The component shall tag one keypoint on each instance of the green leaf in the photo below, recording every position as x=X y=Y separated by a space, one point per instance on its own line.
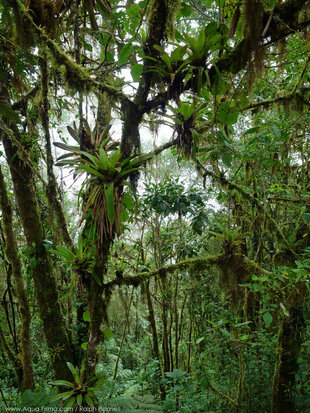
x=61 y=396
x=219 y=86
x=64 y=383
x=7 y=112
x=127 y=172
x=108 y=333
x=114 y=158
x=166 y=59
x=75 y=149
x=79 y=400
x=136 y=72
x=70 y=402
x=185 y=11
x=92 y=158
x=65 y=156
x=267 y=317
x=268 y=5
x=74 y=134
x=73 y=371
x=64 y=252
x=251 y=130
x=109 y=197
x=226 y=158
x=124 y=54
x=103 y=9
x=178 y=53
x=285 y=310
x=128 y=201
x=211 y=29
x=201 y=38
x=92 y=171
x=226 y=114
x=186 y=109
x=306 y=218
x=86 y=316
x=138 y=160
x=133 y=11
x=89 y=400
x=84 y=346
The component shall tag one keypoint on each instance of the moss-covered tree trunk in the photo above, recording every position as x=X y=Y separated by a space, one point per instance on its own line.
x=152 y=321
x=164 y=317
x=24 y=310
x=288 y=349
x=44 y=280
x=8 y=354
x=96 y=308
x=55 y=208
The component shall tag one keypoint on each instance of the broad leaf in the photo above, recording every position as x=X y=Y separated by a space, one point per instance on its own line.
x=109 y=197
x=7 y=112
x=267 y=317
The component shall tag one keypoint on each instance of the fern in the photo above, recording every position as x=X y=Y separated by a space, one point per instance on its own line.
x=133 y=404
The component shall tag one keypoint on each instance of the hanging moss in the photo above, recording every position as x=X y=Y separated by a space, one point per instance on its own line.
x=253 y=39
x=161 y=20
x=232 y=274
x=236 y=269
x=24 y=32
x=43 y=14
x=185 y=136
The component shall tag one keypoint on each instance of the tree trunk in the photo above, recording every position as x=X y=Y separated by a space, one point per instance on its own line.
x=6 y=349
x=44 y=281
x=55 y=208
x=152 y=321
x=164 y=317
x=288 y=349
x=12 y=255
x=96 y=308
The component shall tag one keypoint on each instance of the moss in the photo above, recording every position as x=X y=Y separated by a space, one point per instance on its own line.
x=161 y=21
x=44 y=280
x=43 y=13
x=76 y=76
x=235 y=270
x=172 y=10
x=16 y=266
x=253 y=39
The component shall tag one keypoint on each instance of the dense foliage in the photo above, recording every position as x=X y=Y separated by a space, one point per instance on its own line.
x=154 y=198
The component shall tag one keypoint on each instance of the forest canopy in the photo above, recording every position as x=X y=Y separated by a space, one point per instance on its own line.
x=154 y=205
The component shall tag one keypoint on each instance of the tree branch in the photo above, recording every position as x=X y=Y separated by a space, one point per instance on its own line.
x=224 y=182
x=193 y=265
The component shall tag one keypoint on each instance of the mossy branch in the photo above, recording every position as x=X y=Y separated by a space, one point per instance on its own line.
x=230 y=185
x=192 y=265
x=287 y=96
x=195 y=264
x=77 y=75
x=23 y=101
x=268 y=102
x=23 y=154
x=284 y=22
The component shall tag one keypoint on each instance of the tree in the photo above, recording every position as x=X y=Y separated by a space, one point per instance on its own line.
x=208 y=80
